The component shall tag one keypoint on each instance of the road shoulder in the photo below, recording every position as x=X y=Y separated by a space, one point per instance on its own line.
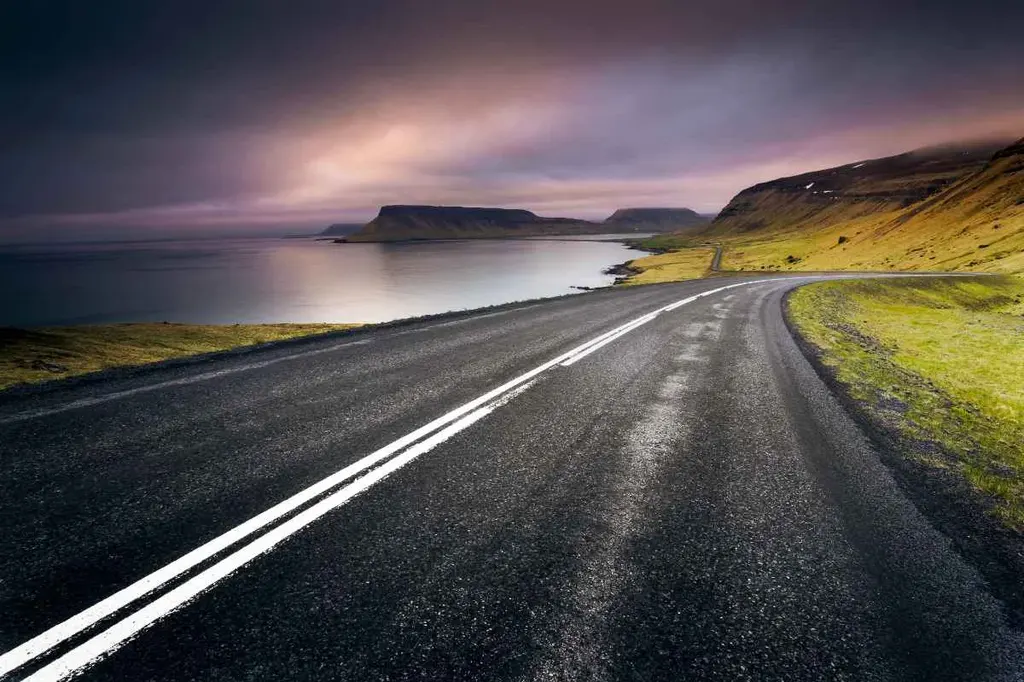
x=946 y=499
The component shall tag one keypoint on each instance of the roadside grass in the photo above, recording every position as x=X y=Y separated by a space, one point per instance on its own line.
x=669 y=241
x=675 y=266
x=42 y=354
x=939 y=360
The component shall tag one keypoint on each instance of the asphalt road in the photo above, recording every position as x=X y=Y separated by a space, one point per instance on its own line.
x=716 y=260
x=683 y=499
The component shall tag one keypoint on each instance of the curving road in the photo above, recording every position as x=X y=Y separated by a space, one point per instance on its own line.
x=644 y=483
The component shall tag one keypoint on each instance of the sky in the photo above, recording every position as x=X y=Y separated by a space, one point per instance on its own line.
x=141 y=118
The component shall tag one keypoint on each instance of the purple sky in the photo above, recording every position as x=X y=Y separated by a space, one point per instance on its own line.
x=139 y=119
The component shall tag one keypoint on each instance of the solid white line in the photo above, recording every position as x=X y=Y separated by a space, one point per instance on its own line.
x=120 y=632
x=61 y=632
x=622 y=332
x=640 y=321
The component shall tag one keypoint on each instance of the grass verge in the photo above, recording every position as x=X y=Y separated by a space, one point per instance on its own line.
x=35 y=355
x=674 y=266
x=940 y=361
x=682 y=259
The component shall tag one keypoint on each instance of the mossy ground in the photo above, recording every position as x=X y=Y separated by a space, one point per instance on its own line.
x=940 y=360
x=683 y=264
x=34 y=355
x=684 y=258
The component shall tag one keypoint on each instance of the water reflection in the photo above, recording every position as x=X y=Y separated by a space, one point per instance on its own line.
x=275 y=280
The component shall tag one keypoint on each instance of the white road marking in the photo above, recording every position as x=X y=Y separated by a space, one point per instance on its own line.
x=119 y=633
x=61 y=632
x=640 y=321
x=574 y=359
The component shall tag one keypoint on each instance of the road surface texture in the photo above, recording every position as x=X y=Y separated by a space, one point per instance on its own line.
x=510 y=495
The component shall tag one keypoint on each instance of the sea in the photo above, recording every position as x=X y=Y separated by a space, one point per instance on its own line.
x=266 y=280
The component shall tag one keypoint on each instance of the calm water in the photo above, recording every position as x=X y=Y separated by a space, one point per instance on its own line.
x=285 y=280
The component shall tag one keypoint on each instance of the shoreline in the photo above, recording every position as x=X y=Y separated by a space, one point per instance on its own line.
x=624 y=238
x=20 y=390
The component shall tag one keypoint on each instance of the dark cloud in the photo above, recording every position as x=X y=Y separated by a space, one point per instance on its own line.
x=108 y=106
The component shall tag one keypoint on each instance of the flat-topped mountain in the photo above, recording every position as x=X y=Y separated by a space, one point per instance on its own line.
x=411 y=223
x=656 y=219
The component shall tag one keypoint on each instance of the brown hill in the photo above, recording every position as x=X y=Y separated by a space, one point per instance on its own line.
x=948 y=208
x=851 y=191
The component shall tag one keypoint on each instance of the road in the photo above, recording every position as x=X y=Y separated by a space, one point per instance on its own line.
x=716 y=260
x=575 y=489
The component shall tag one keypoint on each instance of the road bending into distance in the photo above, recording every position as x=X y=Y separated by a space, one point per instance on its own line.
x=630 y=483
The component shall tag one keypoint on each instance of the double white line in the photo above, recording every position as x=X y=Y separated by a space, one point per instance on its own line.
x=410 y=446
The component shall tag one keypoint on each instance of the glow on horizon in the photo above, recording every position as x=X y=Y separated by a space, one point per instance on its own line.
x=429 y=149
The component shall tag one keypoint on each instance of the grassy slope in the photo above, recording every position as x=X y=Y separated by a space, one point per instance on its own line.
x=946 y=209
x=34 y=355
x=975 y=223
x=942 y=361
x=675 y=266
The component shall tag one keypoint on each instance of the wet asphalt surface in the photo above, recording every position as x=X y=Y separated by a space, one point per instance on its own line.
x=687 y=502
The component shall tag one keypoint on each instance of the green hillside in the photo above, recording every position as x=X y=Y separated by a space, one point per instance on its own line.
x=951 y=208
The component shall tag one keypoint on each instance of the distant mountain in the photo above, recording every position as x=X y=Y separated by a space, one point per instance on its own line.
x=342 y=229
x=944 y=208
x=411 y=223
x=655 y=220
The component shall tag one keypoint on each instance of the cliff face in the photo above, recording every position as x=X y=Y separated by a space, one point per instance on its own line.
x=409 y=223
x=655 y=220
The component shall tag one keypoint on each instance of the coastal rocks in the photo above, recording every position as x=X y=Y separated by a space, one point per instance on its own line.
x=623 y=272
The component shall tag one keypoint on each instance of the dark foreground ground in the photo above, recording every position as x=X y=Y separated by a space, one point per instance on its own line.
x=688 y=501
